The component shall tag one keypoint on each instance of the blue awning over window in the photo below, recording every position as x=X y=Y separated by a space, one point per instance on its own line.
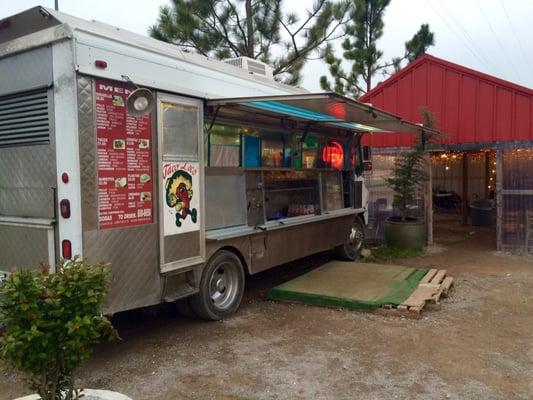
x=291 y=111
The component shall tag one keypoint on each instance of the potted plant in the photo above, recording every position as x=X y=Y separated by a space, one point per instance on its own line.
x=410 y=173
x=50 y=322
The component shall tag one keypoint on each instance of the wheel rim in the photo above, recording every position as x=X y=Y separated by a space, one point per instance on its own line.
x=223 y=285
x=355 y=241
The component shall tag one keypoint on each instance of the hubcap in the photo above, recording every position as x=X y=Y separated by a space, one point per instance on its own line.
x=356 y=240
x=223 y=285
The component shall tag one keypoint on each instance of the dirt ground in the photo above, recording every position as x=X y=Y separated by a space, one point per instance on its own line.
x=478 y=346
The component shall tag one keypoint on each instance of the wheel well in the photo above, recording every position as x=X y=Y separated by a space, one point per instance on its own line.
x=237 y=252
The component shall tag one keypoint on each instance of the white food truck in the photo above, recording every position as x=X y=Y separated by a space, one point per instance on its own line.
x=182 y=172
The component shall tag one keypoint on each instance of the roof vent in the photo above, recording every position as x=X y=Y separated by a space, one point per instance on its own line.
x=254 y=67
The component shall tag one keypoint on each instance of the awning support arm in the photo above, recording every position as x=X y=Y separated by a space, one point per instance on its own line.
x=306 y=131
x=215 y=115
x=209 y=135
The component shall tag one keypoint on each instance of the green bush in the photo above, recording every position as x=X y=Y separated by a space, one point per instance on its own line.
x=408 y=177
x=51 y=321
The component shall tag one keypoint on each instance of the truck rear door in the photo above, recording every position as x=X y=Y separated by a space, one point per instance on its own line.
x=27 y=160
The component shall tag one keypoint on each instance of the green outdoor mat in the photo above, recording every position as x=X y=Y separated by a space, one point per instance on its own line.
x=351 y=285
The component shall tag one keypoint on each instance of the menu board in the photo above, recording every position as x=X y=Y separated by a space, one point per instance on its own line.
x=124 y=147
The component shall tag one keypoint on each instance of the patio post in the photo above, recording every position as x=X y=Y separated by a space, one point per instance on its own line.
x=465 y=188
x=499 y=197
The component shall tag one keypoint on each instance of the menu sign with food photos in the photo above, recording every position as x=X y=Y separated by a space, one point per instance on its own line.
x=124 y=147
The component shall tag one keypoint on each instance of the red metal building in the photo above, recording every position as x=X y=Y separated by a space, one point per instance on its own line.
x=470 y=107
x=487 y=151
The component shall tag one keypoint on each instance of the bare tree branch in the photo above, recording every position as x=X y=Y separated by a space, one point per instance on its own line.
x=311 y=16
x=245 y=38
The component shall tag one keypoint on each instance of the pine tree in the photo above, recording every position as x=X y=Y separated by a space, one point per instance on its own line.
x=419 y=43
x=258 y=29
x=360 y=48
x=414 y=48
x=411 y=171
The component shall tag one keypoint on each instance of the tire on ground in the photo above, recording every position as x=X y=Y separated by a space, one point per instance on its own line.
x=351 y=249
x=221 y=287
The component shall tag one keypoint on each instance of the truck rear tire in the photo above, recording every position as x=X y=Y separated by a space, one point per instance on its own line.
x=221 y=287
x=351 y=249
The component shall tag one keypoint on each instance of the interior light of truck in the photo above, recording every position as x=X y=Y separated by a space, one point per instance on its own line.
x=64 y=207
x=100 y=64
x=333 y=154
x=64 y=177
x=66 y=249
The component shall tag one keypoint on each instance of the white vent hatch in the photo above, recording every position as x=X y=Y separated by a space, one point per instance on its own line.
x=252 y=66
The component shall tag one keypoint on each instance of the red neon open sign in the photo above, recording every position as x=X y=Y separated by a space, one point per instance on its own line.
x=333 y=154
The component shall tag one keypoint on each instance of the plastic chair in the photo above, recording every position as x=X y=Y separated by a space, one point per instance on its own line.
x=381 y=213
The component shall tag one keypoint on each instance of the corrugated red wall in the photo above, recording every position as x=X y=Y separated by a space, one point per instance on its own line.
x=469 y=106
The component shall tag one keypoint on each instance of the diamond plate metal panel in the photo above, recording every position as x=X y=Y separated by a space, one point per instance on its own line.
x=26 y=70
x=133 y=253
x=88 y=157
x=22 y=247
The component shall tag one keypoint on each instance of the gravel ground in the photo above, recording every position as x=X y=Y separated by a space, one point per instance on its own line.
x=479 y=345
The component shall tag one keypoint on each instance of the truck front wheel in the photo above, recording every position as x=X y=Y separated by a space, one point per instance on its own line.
x=221 y=287
x=351 y=249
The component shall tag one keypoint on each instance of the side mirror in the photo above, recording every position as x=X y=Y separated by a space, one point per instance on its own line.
x=140 y=102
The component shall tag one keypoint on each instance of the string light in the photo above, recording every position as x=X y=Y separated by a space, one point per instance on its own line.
x=450 y=157
x=520 y=154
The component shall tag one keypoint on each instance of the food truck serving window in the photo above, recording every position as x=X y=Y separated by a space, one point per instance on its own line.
x=224 y=143
x=183 y=120
x=275 y=149
x=308 y=151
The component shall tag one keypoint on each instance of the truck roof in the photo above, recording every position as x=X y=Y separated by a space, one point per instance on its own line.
x=37 y=19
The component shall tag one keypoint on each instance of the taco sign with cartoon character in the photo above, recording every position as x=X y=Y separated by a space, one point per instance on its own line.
x=181 y=197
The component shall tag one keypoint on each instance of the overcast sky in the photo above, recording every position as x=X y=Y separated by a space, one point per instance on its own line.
x=492 y=36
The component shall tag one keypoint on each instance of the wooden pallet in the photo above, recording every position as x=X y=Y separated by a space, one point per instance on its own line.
x=433 y=286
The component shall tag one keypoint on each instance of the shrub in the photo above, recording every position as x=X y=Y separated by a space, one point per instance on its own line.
x=51 y=321
x=408 y=177
x=411 y=171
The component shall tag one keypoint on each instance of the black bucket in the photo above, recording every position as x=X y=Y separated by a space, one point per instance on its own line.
x=481 y=213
